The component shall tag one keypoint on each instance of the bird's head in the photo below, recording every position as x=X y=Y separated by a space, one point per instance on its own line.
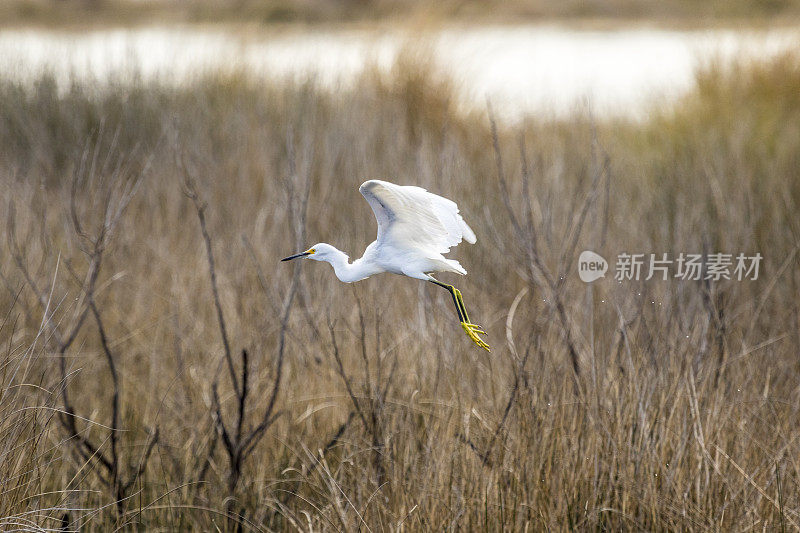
x=319 y=252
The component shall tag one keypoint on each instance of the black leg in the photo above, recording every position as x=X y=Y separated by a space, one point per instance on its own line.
x=451 y=290
x=463 y=307
x=470 y=329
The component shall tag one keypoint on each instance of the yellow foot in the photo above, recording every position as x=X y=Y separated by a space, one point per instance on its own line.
x=472 y=331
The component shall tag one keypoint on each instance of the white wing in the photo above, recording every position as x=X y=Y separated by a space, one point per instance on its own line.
x=410 y=215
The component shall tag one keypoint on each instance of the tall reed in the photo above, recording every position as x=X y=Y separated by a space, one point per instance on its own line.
x=640 y=405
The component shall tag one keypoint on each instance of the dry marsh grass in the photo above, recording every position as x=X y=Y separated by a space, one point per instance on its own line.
x=104 y=13
x=275 y=397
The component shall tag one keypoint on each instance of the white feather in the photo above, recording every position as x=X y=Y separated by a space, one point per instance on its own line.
x=412 y=216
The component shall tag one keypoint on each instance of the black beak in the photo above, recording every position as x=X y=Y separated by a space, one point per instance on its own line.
x=295 y=256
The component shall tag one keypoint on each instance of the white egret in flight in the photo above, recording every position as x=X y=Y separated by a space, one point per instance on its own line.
x=415 y=228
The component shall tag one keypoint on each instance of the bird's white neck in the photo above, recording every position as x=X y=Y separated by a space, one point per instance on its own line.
x=350 y=272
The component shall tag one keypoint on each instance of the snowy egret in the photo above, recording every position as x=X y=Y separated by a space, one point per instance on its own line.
x=415 y=227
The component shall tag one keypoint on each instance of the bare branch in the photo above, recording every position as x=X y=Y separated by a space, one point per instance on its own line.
x=200 y=207
x=340 y=369
x=112 y=369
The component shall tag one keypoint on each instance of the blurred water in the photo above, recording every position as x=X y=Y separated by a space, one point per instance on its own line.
x=540 y=69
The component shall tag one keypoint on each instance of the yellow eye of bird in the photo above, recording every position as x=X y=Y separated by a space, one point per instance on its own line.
x=311 y=251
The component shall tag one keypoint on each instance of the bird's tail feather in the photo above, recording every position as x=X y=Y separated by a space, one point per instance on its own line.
x=454 y=266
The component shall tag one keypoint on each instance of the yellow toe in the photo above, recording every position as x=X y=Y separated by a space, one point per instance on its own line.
x=472 y=331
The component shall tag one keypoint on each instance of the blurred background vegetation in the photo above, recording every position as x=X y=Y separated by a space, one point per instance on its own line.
x=129 y=12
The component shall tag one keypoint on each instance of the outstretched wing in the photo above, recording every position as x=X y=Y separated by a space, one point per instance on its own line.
x=410 y=215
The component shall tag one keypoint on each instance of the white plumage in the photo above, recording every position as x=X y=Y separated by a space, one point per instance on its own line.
x=415 y=229
x=411 y=214
x=417 y=225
